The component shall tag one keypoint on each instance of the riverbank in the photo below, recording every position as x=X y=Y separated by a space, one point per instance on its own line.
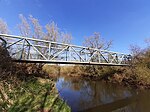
x=25 y=87
x=125 y=76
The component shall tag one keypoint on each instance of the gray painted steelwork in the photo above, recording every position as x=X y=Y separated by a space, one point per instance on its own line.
x=25 y=49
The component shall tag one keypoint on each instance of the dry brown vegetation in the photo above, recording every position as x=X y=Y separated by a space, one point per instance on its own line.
x=137 y=75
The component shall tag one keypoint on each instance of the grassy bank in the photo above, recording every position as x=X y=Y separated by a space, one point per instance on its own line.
x=25 y=87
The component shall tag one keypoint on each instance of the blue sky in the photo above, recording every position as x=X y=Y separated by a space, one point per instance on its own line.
x=125 y=22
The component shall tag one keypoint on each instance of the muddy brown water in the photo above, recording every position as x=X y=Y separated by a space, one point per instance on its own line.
x=98 y=96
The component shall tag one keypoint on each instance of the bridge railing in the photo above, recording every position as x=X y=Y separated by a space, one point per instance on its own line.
x=37 y=50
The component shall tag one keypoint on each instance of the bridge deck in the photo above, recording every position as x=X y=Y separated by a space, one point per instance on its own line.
x=69 y=62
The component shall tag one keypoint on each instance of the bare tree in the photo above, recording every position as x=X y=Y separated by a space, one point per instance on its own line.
x=3 y=27
x=135 y=50
x=38 y=33
x=66 y=38
x=24 y=26
x=137 y=53
x=3 y=30
x=95 y=41
x=52 y=33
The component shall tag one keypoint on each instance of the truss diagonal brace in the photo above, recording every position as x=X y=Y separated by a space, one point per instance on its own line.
x=36 y=49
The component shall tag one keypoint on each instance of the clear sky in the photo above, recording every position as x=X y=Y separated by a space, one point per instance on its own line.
x=125 y=22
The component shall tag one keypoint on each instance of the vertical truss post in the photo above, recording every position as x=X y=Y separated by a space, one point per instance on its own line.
x=22 y=49
x=28 y=55
x=80 y=55
x=99 y=57
x=117 y=59
x=49 y=50
x=85 y=53
x=69 y=54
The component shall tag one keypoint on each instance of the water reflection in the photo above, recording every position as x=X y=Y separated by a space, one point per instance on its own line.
x=95 y=96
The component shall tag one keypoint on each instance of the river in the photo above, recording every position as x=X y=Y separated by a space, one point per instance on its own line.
x=99 y=96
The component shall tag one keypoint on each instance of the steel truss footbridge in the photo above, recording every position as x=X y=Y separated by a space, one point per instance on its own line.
x=25 y=49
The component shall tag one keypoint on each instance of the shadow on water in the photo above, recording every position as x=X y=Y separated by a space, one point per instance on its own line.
x=112 y=106
x=98 y=96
